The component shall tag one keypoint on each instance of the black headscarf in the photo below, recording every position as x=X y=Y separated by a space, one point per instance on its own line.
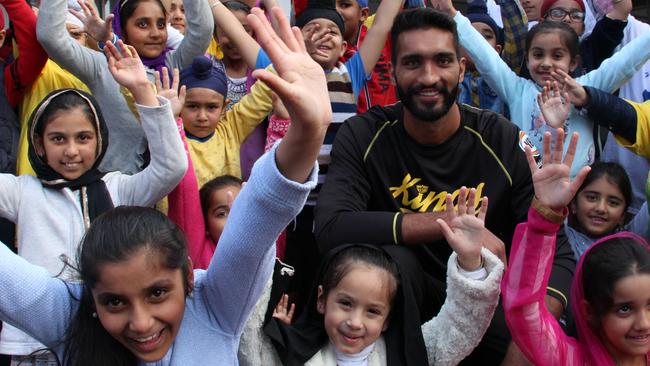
x=415 y=301
x=94 y=195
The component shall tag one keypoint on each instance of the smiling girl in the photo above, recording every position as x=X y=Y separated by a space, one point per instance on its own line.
x=550 y=47
x=367 y=307
x=68 y=139
x=141 y=23
x=610 y=295
x=140 y=302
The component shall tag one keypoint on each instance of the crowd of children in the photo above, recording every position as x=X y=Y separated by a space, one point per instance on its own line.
x=164 y=195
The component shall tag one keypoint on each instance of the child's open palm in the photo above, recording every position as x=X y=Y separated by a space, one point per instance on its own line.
x=300 y=80
x=553 y=186
x=465 y=230
x=555 y=104
x=175 y=95
x=125 y=65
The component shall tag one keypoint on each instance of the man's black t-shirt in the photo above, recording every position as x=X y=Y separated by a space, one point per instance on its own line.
x=379 y=173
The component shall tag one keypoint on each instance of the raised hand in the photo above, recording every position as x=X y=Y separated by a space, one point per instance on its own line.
x=94 y=25
x=127 y=69
x=175 y=96
x=301 y=85
x=283 y=312
x=445 y=6
x=577 y=92
x=554 y=104
x=553 y=187
x=465 y=231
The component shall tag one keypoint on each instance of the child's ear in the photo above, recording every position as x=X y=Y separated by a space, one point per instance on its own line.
x=364 y=14
x=190 y=275
x=38 y=146
x=386 y=324
x=574 y=63
x=320 y=301
x=573 y=207
x=498 y=48
x=588 y=312
x=344 y=46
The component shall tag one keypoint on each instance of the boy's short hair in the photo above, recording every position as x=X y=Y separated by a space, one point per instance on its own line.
x=421 y=19
x=321 y=9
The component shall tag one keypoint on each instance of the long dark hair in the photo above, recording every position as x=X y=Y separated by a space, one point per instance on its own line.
x=114 y=237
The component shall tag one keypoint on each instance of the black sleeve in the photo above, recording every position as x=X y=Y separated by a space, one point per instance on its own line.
x=612 y=112
x=8 y=146
x=341 y=214
x=601 y=43
x=564 y=265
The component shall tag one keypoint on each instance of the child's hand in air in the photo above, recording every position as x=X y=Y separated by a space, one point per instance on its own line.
x=553 y=186
x=127 y=69
x=444 y=6
x=283 y=312
x=94 y=25
x=577 y=93
x=465 y=231
x=301 y=85
x=175 y=96
x=554 y=104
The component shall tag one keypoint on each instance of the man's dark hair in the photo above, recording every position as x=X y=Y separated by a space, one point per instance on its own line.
x=421 y=18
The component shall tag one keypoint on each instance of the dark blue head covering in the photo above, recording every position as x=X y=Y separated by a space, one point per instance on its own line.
x=477 y=13
x=203 y=74
x=321 y=9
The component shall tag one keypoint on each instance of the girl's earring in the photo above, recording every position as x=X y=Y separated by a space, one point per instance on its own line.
x=95 y=314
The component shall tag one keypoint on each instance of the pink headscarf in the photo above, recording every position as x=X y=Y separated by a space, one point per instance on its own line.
x=593 y=348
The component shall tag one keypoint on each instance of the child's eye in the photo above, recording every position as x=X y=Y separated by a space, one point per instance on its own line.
x=614 y=203
x=114 y=304
x=221 y=214
x=345 y=303
x=374 y=311
x=624 y=310
x=161 y=24
x=141 y=24
x=158 y=293
x=591 y=197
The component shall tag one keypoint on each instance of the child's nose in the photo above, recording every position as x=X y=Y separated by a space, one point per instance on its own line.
x=140 y=320
x=643 y=320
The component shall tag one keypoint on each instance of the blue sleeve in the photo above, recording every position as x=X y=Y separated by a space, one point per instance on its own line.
x=639 y=224
x=356 y=69
x=33 y=301
x=244 y=258
x=263 y=60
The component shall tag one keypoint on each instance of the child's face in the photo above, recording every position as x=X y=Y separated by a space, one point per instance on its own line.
x=568 y=6
x=68 y=144
x=202 y=111
x=532 y=9
x=76 y=33
x=626 y=327
x=146 y=29
x=599 y=208
x=353 y=15
x=230 y=50
x=356 y=310
x=548 y=52
x=325 y=53
x=489 y=36
x=219 y=210
x=176 y=14
x=141 y=303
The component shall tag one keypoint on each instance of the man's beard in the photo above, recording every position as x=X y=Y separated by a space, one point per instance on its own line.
x=428 y=112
